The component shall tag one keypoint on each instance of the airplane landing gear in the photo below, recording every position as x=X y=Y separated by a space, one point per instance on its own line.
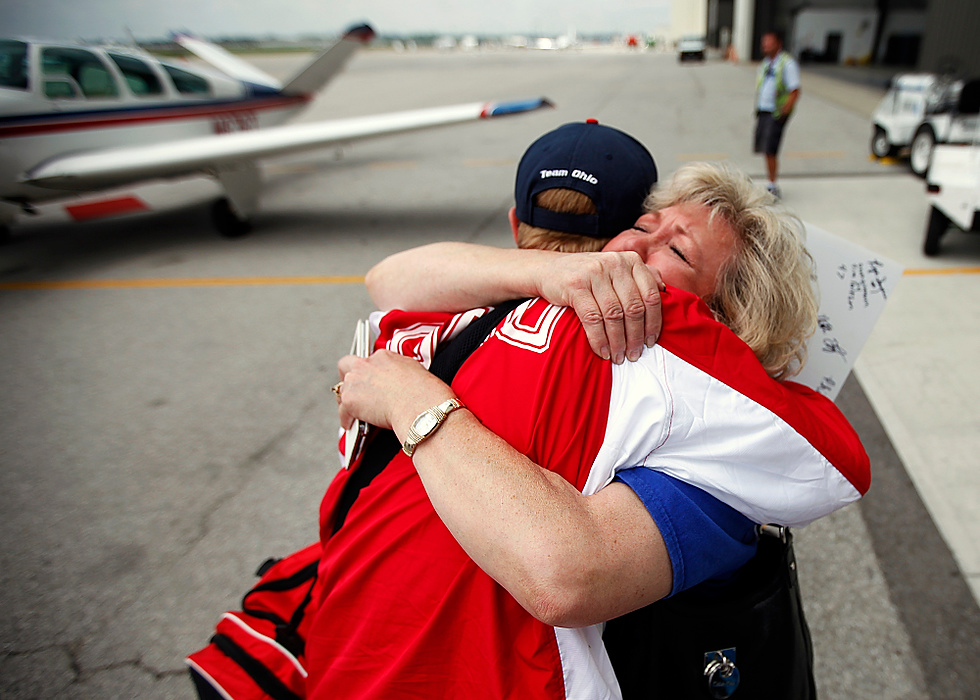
x=8 y=216
x=228 y=223
x=242 y=184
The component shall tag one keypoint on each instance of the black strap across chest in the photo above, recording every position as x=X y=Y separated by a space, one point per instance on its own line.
x=447 y=361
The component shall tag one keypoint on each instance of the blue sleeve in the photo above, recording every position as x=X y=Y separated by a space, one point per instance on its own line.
x=705 y=538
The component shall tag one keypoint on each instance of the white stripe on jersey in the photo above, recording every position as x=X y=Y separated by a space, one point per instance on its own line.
x=741 y=453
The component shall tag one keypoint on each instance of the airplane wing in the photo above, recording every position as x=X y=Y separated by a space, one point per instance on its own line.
x=310 y=79
x=95 y=170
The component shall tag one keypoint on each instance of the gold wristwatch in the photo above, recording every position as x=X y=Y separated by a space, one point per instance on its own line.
x=427 y=423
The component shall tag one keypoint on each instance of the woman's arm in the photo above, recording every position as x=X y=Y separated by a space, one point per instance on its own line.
x=615 y=295
x=451 y=276
x=570 y=560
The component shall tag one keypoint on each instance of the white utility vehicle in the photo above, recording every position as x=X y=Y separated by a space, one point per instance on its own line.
x=919 y=111
x=691 y=48
x=953 y=182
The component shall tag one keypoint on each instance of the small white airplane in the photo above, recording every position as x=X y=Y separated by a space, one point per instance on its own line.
x=82 y=119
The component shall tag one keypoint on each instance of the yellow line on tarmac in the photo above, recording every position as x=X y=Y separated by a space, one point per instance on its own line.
x=885 y=160
x=180 y=282
x=944 y=271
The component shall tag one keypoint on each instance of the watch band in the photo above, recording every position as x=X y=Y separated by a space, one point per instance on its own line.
x=427 y=422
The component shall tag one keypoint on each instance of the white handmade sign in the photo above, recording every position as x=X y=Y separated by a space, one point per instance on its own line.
x=854 y=285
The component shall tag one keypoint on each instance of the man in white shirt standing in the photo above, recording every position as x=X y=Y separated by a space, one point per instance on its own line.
x=777 y=88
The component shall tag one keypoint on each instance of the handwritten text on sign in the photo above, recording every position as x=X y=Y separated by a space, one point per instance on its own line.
x=854 y=285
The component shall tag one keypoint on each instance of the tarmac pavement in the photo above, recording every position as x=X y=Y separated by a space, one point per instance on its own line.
x=167 y=422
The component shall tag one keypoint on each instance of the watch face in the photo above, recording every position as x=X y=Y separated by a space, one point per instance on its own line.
x=425 y=423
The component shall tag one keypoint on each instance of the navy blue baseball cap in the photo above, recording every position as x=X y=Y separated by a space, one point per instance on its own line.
x=607 y=165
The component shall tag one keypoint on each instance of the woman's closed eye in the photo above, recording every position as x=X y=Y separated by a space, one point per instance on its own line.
x=678 y=253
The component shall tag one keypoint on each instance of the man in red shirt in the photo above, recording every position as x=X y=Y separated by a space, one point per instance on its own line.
x=560 y=495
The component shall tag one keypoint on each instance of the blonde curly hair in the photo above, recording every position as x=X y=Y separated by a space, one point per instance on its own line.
x=766 y=293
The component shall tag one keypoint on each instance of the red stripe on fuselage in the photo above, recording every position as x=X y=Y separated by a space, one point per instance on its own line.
x=106 y=207
x=99 y=120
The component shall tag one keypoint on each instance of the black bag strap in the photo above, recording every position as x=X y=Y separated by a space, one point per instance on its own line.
x=447 y=361
x=451 y=357
x=377 y=454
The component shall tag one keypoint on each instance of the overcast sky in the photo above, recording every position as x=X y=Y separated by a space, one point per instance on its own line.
x=148 y=19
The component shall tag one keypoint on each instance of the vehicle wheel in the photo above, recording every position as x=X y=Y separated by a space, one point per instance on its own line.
x=228 y=223
x=938 y=224
x=880 y=146
x=921 y=154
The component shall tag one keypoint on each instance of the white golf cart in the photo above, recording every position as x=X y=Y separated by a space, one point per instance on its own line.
x=691 y=48
x=953 y=181
x=917 y=112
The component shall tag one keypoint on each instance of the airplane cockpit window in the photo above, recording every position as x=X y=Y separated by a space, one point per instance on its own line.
x=187 y=83
x=13 y=64
x=140 y=79
x=76 y=68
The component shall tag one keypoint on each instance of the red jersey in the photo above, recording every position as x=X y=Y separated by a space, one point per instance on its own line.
x=403 y=612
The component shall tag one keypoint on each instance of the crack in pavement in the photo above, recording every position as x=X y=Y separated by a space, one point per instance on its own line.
x=246 y=468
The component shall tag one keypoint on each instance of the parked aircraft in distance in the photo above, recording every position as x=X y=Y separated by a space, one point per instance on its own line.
x=83 y=118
